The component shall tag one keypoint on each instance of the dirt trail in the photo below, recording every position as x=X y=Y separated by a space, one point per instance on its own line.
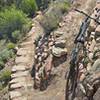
x=21 y=84
x=71 y=22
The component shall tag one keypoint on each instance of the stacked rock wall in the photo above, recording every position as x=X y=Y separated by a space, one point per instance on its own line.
x=91 y=78
x=48 y=47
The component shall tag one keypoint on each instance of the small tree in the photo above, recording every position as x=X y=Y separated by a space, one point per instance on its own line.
x=27 y=6
x=53 y=15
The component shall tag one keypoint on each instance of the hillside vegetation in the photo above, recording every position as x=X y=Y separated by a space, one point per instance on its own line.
x=15 y=22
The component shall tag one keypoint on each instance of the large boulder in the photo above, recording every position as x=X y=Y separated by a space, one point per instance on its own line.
x=58 y=52
x=60 y=43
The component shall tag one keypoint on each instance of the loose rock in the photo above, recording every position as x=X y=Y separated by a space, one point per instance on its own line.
x=58 y=52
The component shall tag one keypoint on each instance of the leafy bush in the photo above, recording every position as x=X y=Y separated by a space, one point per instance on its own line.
x=10 y=45
x=16 y=35
x=6 y=54
x=43 y=4
x=10 y=20
x=53 y=15
x=1 y=64
x=26 y=28
x=4 y=3
x=5 y=76
x=63 y=6
x=50 y=22
x=28 y=6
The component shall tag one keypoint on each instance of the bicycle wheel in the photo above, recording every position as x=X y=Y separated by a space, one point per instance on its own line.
x=67 y=90
x=71 y=85
x=74 y=86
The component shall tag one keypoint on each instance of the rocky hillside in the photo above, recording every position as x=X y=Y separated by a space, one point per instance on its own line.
x=43 y=57
x=53 y=47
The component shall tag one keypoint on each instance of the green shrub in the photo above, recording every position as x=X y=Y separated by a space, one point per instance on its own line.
x=63 y=6
x=53 y=16
x=50 y=22
x=11 y=20
x=11 y=54
x=26 y=28
x=43 y=4
x=10 y=45
x=5 y=76
x=16 y=35
x=4 y=3
x=1 y=64
x=6 y=54
x=28 y=6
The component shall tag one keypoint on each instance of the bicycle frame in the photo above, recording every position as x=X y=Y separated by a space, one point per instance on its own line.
x=74 y=67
